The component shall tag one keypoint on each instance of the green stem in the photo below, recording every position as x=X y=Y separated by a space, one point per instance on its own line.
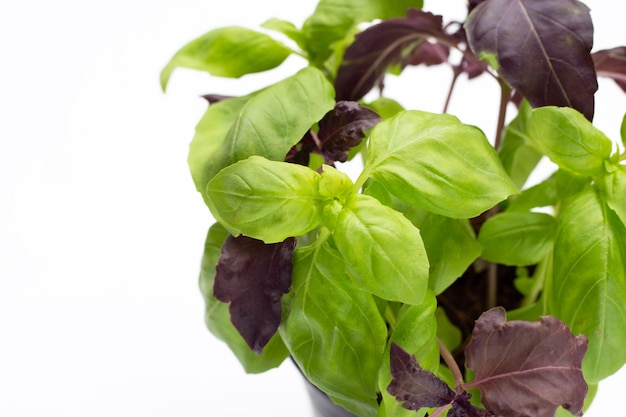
x=539 y=279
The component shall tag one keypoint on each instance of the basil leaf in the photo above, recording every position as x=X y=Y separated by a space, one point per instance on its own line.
x=543 y=194
x=210 y=138
x=383 y=251
x=588 y=287
x=286 y=28
x=334 y=19
x=265 y=200
x=569 y=140
x=550 y=39
x=451 y=245
x=334 y=330
x=228 y=52
x=517 y=238
x=266 y=123
x=277 y=118
x=217 y=316
x=519 y=158
x=436 y=162
x=615 y=186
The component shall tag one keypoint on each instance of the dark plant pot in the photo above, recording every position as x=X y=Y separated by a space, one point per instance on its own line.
x=322 y=405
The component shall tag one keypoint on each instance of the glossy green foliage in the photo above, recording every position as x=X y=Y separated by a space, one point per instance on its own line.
x=517 y=238
x=228 y=52
x=615 y=186
x=217 y=316
x=569 y=140
x=588 y=288
x=436 y=162
x=544 y=194
x=382 y=250
x=266 y=123
x=206 y=154
x=519 y=158
x=451 y=245
x=334 y=330
x=250 y=198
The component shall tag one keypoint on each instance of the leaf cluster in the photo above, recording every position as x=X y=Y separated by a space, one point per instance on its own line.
x=339 y=272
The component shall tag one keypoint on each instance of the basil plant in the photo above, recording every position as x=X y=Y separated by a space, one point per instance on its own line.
x=390 y=289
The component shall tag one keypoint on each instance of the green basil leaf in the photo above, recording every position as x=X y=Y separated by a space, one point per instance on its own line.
x=382 y=249
x=519 y=158
x=385 y=107
x=436 y=162
x=277 y=118
x=451 y=245
x=615 y=186
x=286 y=28
x=588 y=287
x=543 y=194
x=415 y=332
x=217 y=316
x=333 y=20
x=566 y=137
x=265 y=200
x=447 y=332
x=569 y=184
x=210 y=138
x=334 y=330
x=228 y=52
x=517 y=238
x=267 y=123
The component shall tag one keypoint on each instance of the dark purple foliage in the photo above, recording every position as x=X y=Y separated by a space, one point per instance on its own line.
x=526 y=369
x=430 y=53
x=214 y=98
x=413 y=386
x=542 y=48
x=374 y=50
x=252 y=276
x=417 y=388
x=340 y=130
x=612 y=63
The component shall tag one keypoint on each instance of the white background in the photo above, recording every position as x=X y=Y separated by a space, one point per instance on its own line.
x=101 y=229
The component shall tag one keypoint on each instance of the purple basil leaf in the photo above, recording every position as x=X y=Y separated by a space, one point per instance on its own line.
x=542 y=48
x=472 y=4
x=463 y=408
x=526 y=369
x=214 y=98
x=252 y=276
x=392 y=41
x=612 y=63
x=413 y=386
x=430 y=53
x=343 y=128
x=300 y=153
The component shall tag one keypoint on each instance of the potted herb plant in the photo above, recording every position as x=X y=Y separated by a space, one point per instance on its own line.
x=435 y=280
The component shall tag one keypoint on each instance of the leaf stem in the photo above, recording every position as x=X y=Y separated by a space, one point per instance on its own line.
x=440 y=411
x=454 y=368
x=456 y=72
x=492 y=285
x=539 y=278
x=505 y=97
